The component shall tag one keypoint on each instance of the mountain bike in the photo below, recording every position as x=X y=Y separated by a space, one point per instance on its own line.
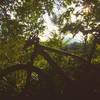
x=29 y=70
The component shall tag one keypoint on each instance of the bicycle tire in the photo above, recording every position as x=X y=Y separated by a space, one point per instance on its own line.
x=38 y=71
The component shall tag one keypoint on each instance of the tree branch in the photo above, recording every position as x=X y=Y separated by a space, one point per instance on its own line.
x=64 y=53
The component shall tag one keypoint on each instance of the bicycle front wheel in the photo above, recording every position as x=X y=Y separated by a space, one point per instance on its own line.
x=13 y=83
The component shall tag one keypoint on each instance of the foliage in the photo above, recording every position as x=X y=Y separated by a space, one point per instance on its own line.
x=22 y=19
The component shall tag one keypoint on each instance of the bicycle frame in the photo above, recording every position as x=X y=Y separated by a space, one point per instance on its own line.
x=42 y=50
x=36 y=43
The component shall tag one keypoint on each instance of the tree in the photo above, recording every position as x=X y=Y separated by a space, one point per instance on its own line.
x=22 y=19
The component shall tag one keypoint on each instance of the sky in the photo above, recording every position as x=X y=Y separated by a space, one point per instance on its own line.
x=51 y=27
